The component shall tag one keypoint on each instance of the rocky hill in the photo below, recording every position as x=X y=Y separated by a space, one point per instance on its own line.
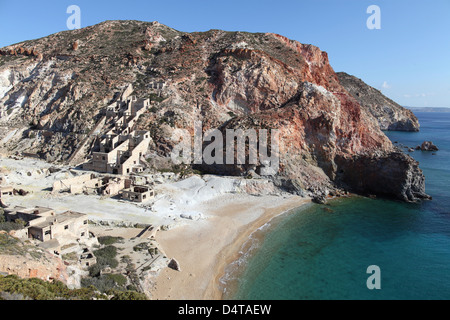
x=53 y=91
x=390 y=115
x=28 y=261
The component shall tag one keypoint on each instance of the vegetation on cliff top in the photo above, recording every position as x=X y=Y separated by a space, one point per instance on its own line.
x=37 y=289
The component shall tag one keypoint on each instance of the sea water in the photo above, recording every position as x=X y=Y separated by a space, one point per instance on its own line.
x=323 y=252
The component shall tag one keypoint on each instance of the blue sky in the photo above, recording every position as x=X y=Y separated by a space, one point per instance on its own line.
x=408 y=58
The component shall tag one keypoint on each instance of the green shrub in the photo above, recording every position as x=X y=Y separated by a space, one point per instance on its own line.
x=109 y=240
x=107 y=262
x=9 y=226
x=71 y=256
x=154 y=97
x=20 y=222
x=110 y=284
x=102 y=283
x=95 y=269
x=125 y=259
x=8 y=241
x=38 y=289
x=141 y=246
x=129 y=295
x=119 y=279
x=107 y=256
x=132 y=287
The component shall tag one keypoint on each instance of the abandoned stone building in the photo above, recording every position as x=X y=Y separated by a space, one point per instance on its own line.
x=120 y=154
x=92 y=184
x=159 y=85
x=6 y=191
x=138 y=193
x=44 y=224
x=87 y=258
x=121 y=149
x=124 y=110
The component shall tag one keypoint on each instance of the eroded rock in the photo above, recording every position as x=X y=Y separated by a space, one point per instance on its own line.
x=173 y=264
x=427 y=146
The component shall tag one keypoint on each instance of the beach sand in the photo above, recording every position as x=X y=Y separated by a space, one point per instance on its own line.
x=204 y=248
x=209 y=219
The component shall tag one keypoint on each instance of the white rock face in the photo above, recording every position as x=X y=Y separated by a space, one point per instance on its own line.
x=240 y=45
x=192 y=216
x=6 y=82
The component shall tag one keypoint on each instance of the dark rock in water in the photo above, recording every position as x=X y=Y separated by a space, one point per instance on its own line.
x=319 y=199
x=328 y=210
x=410 y=150
x=428 y=146
x=173 y=264
x=393 y=175
x=333 y=193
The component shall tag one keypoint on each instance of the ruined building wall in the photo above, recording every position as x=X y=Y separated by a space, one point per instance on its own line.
x=68 y=184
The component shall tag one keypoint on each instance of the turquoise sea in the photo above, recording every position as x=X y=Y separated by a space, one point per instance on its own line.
x=322 y=252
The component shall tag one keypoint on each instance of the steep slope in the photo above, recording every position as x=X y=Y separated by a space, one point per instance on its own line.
x=28 y=261
x=390 y=115
x=53 y=91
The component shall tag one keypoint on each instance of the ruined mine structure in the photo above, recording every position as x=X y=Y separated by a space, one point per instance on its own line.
x=45 y=224
x=91 y=183
x=122 y=148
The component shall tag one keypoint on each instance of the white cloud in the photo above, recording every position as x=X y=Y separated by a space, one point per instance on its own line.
x=385 y=85
x=418 y=95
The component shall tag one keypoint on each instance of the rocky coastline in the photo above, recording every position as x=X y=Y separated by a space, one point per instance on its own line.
x=330 y=137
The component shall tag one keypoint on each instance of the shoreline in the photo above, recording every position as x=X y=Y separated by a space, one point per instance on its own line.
x=233 y=251
x=217 y=243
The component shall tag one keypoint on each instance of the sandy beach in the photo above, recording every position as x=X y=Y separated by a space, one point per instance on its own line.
x=207 y=220
x=204 y=248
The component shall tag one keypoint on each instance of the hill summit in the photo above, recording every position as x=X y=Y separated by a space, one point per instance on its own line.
x=55 y=89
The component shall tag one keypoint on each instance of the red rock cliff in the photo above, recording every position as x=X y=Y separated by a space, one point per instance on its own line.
x=224 y=79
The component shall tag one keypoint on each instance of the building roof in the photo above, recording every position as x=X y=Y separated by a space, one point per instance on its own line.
x=138 y=189
x=59 y=219
x=50 y=244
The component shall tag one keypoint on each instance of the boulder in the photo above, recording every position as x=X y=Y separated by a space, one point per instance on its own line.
x=319 y=199
x=75 y=46
x=428 y=146
x=173 y=264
